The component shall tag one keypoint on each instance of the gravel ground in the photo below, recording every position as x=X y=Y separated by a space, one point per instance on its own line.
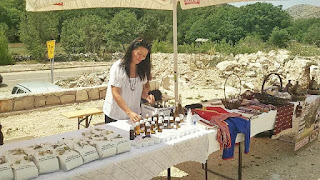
x=268 y=159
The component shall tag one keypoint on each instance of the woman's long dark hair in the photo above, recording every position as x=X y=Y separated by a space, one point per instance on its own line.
x=144 y=67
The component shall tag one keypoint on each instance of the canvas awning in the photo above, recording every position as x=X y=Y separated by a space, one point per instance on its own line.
x=53 y=5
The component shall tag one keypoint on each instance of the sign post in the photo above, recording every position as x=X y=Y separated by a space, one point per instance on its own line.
x=51 y=47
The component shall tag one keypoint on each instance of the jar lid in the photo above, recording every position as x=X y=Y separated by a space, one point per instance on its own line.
x=166 y=118
x=171 y=118
x=153 y=122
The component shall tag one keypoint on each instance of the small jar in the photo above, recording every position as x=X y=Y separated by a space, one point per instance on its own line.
x=142 y=127
x=160 y=125
x=177 y=120
x=171 y=122
x=166 y=122
x=137 y=129
x=153 y=127
x=131 y=133
x=147 y=128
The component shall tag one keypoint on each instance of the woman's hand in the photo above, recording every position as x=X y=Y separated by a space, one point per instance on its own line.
x=150 y=99
x=134 y=117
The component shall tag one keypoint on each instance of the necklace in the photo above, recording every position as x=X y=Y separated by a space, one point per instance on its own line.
x=133 y=84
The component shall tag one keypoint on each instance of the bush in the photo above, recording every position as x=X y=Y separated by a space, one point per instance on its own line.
x=162 y=46
x=5 y=57
x=296 y=48
x=279 y=37
x=250 y=44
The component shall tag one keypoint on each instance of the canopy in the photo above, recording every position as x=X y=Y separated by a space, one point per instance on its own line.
x=52 y=5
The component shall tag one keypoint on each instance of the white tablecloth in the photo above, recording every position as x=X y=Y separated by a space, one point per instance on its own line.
x=143 y=163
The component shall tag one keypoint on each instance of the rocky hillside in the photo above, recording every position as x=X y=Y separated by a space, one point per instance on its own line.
x=304 y=11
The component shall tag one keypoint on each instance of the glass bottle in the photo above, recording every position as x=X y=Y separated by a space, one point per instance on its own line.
x=147 y=128
x=166 y=122
x=177 y=120
x=131 y=132
x=160 y=125
x=142 y=126
x=153 y=127
x=171 y=122
x=137 y=129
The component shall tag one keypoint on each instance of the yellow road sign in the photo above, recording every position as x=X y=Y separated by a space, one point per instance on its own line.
x=50 y=46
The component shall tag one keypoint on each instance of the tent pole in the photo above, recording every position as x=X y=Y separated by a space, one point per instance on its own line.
x=175 y=50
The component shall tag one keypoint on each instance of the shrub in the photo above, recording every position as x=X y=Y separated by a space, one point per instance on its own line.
x=162 y=46
x=279 y=37
x=5 y=57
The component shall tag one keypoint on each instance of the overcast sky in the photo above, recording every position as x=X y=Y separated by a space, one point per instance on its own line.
x=285 y=3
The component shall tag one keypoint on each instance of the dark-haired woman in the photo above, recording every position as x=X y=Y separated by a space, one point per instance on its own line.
x=128 y=83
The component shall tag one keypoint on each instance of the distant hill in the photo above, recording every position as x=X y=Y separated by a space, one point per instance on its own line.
x=304 y=11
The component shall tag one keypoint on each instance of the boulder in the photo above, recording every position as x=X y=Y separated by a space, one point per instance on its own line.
x=28 y=102
x=93 y=94
x=67 y=99
x=227 y=65
x=52 y=100
x=39 y=101
x=82 y=95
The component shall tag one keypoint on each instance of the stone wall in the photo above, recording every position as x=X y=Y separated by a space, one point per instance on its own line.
x=20 y=102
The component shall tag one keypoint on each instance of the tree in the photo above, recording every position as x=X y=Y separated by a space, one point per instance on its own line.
x=279 y=37
x=122 y=29
x=312 y=36
x=262 y=18
x=36 y=29
x=5 y=57
x=82 y=34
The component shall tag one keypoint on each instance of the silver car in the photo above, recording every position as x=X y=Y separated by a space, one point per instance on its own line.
x=34 y=87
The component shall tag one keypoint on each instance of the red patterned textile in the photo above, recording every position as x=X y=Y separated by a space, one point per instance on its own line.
x=283 y=118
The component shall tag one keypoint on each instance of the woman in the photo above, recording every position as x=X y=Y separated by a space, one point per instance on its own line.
x=128 y=83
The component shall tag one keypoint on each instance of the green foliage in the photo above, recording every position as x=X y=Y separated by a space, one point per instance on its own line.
x=82 y=34
x=35 y=30
x=250 y=44
x=312 y=36
x=300 y=26
x=10 y=12
x=5 y=57
x=262 y=18
x=279 y=37
x=122 y=29
x=299 y=49
x=162 y=46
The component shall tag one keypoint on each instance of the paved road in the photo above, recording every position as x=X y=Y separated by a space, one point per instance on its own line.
x=10 y=79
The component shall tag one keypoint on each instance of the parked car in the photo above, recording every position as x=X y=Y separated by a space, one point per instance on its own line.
x=34 y=87
x=1 y=79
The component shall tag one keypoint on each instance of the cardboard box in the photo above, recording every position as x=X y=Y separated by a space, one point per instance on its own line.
x=146 y=109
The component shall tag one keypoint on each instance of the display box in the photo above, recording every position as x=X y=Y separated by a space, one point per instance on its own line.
x=147 y=109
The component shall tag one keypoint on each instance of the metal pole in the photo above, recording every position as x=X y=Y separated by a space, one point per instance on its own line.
x=52 y=62
x=169 y=174
x=240 y=162
x=175 y=50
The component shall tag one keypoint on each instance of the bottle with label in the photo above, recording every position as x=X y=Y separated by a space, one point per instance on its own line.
x=166 y=122
x=142 y=127
x=147 y=128
x=177 y=120
x=171 y=122
x=155 y=120
x=137 y=129
x=160 y=125
x=131 y=133
x=153 y=127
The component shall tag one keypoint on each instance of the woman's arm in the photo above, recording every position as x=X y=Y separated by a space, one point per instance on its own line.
x=145 y=95
x=122 y=104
